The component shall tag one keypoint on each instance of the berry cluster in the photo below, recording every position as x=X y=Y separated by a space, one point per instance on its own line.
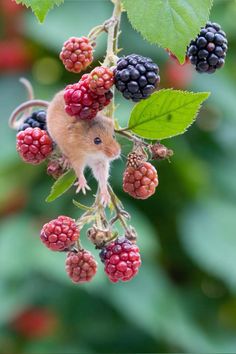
x=207 y=52
x=77 y=54
x=35 y=120
x=121 y=257
x=33 y=145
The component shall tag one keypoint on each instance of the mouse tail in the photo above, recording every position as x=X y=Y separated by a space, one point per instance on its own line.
x=25 y=108
x=15 y=121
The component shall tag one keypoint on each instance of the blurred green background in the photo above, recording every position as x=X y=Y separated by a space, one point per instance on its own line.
x=184 y=297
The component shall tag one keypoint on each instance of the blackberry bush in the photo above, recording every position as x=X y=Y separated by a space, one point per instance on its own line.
x=82 y=141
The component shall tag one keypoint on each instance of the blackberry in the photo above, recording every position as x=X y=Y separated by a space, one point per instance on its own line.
x=207 y=51
x=60 y=233
x=36 y=120
x=81 y=266
x=121 y=259
x=34 y=145
x=77 y=54
x=136 y=77
x=140 y=182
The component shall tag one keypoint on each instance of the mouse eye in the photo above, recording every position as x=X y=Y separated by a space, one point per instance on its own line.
x=97 y=141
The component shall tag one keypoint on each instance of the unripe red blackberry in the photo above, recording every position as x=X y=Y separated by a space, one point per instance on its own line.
x=136 y=77
x=34 y=145
x=122 y=259
x=98 y=237
x=160 y=152
x=77 y=54
x=82 y=102
x=60 y=233
x=140 y=182
x=54 y=169
x=101 y=80
x=81 y=266
x=35 y=120
x=207 y=51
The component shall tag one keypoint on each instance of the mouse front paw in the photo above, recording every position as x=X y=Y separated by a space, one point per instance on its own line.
x=105 y=197
x=82 y=185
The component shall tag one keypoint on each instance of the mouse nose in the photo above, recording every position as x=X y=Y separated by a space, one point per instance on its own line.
x=113 y=151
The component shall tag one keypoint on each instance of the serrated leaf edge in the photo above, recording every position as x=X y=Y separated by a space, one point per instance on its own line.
x=168 y=90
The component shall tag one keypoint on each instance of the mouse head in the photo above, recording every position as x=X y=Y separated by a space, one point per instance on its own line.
x=100 y=137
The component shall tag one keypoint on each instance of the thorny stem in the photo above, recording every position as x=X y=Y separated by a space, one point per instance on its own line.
x=113 y=25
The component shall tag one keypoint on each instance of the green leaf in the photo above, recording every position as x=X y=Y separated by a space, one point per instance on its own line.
x=81 y=206
x=169 y=23
x=40 y=7
x=61 y=185
x=165 y=113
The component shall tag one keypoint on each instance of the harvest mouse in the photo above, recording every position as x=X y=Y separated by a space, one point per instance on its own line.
x=84 y=143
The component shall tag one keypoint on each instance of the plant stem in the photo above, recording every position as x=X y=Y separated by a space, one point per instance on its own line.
x=131 y=137
x=113 y=26
x=118 y=209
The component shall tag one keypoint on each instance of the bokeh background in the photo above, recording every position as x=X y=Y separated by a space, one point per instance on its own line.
x=184 y=298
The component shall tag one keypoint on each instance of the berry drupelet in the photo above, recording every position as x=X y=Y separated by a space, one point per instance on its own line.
x=136 y=77
x=121 y=259
x=207 y=51
x=35 y=120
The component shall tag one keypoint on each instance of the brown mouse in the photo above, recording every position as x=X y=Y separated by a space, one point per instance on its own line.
x=84 y=143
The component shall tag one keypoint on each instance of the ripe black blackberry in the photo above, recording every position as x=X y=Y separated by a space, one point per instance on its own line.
x=208 y=50
x=36 y=120
x=136 y=77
